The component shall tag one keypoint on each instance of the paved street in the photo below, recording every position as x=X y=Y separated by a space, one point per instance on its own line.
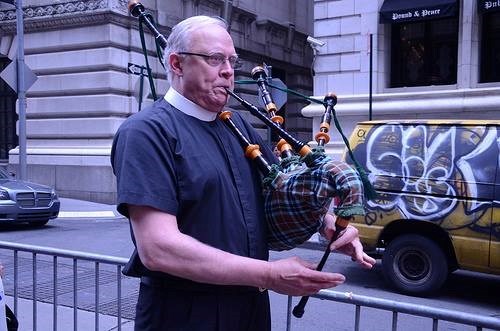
x=79 y=229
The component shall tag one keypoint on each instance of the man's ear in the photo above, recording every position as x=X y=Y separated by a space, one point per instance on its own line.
x=175 y=63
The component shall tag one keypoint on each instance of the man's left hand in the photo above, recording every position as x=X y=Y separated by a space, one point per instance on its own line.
x=348 y=242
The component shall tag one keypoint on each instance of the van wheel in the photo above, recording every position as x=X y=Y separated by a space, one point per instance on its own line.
x=415 y=265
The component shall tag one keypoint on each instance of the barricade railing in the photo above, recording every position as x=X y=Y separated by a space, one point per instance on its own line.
x=396 y=307
x=76 y=258
x=98 y=261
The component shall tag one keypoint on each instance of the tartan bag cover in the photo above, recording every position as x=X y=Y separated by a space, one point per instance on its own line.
x=297 y=199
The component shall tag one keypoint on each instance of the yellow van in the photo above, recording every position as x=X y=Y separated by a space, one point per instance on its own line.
x=438 y=198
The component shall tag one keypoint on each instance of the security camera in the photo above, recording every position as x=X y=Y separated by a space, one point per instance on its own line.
x=315 y=42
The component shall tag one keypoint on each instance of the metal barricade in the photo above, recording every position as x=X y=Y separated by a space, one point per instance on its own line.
x=396 y=307
x=105 y=266
x=58 y=258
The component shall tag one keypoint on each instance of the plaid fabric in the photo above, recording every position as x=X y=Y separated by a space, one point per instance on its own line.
x=298 y=198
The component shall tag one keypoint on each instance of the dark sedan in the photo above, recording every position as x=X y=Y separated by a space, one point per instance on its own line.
x=25 y=202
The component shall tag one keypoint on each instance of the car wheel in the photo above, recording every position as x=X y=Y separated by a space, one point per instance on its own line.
x=38 y=223
x=415 y=265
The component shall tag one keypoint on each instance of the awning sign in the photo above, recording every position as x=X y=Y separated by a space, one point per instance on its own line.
x=422 y=13
x=399 y=11
x=488 y=6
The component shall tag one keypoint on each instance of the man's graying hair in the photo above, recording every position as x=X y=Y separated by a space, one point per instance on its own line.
x=180 y=38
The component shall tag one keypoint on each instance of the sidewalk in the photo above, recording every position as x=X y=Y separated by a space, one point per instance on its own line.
x=45 y=312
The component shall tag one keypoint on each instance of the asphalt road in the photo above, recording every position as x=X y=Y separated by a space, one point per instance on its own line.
x=465 y=291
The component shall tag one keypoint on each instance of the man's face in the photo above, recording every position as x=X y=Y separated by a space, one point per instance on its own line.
x=199 y=81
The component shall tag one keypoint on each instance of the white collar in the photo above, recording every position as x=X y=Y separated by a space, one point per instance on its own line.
x=188 y=107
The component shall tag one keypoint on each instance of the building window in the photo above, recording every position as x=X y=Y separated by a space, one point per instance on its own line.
x=490 y=48
x=424 y=53
x=8 y=116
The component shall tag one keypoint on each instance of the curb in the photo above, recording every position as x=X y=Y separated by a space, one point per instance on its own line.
x=102 y=214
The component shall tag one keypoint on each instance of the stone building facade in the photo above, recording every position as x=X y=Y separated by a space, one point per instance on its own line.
x=433 y=62
x=81 y=50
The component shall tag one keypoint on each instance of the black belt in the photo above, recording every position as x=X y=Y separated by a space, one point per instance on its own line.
x=187 y=285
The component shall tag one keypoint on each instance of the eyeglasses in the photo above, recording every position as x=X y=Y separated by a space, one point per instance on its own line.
x=216 y=59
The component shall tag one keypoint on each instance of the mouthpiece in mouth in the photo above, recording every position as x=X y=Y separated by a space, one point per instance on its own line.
x=234 y=95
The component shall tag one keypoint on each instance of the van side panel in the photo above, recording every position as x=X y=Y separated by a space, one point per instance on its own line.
x=495 y=227
x=444 y=175
x=495 y=241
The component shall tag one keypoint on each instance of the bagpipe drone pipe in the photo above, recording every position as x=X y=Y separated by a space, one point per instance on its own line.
x=300 y=191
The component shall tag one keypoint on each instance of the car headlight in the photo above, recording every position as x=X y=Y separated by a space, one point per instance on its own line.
x=4 y=195
x=53 y=194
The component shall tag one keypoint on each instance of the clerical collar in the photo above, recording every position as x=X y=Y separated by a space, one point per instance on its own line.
x=188 y=107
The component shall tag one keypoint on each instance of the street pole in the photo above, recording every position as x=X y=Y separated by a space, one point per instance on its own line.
x=370 y=97
x=21 y=90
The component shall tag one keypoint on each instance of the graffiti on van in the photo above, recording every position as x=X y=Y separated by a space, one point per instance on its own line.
x=427 y=172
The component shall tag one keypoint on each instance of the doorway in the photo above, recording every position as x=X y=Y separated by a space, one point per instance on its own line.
x=8 y=116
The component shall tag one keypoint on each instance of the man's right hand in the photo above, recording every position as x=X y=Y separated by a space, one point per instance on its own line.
x=294 y=276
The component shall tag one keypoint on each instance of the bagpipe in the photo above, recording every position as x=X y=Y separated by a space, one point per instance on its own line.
x=306 y=184
x=299 y=191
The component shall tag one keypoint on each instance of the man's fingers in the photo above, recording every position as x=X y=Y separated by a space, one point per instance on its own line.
x=320 y=277
x=349 y=235
x=295 y=276
x=361 y=257
x=365 y=260
x=325 y=277
x=368 y=261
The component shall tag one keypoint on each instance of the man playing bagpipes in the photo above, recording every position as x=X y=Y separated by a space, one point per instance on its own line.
x=195 y=202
